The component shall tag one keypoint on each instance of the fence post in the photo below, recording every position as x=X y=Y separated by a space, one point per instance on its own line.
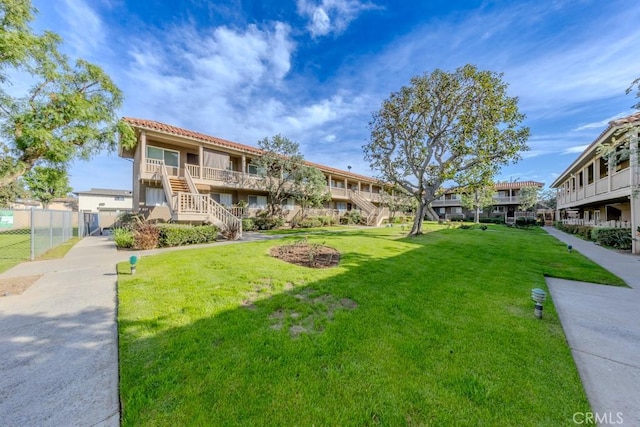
x=50 y=229
x=33 y=235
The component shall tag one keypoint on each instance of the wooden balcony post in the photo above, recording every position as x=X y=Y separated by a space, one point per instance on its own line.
x=201 y=161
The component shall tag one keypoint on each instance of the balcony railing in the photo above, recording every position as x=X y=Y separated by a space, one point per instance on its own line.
x=597 y=223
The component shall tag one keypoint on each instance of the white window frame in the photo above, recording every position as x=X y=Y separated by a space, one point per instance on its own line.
x=163 y=155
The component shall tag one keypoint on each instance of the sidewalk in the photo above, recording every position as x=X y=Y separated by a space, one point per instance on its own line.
x=58 y=340
x=602 y=325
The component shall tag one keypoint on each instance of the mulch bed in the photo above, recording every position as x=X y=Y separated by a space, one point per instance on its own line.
x=306 y=254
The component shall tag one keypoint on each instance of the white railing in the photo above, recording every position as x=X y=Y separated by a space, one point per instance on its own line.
x=230 y=221
x=212 y=174
x=153 y=165
x=598 y=223
x=194 y=170
x=189 y=179
x=166 y=184
x=620 y=179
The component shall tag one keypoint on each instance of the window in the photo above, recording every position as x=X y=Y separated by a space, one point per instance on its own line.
x=580 y=180
x=257 y=202
x=337 y=184
x=288 y=204
x=604 y=168
x=590 y=174
x=170 y=157
x=155 y=197
x=341 y=206
x=456 y=210
x=119 y=198
x=498 y=208
x=224 y=199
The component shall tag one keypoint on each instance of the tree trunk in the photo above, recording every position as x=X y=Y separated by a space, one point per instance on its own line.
x=477 y=215
x=417 y=222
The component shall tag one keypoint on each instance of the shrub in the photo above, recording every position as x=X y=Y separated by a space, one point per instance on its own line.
x=247 y=224
x=617 y=238
x=351 y=217
x=465 y=226
x=525 y=221
x=179 y=235
x=326 y=220
x=146 y=236
x=310 y=223
x=128 y=221
x=483 y=227
x=123 y=237
x=264 y=222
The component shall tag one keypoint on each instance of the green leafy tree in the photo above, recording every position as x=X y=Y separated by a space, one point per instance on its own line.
x=528 y=197
x=9 y=193
x=310 y=188
x=548 y=198
x=397 y=200
x=476 y=199
x=445 y=126
x=47 y=183
x=279 y=166
x=70 y=110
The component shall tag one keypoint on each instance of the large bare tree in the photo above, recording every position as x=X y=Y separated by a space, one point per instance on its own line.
x=445 y=126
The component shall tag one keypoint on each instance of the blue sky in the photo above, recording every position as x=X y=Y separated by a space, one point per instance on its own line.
x=315 y=70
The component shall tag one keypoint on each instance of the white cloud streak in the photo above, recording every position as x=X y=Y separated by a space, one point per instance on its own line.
x=331 y=16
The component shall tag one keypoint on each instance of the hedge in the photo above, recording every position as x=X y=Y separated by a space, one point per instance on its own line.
x=618 y=238
x=179 y=235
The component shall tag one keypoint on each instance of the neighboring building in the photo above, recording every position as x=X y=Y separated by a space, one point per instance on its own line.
x=188 y=176
x=101 y=200
x=506 y=202
x=593 y=191
x=58 y=204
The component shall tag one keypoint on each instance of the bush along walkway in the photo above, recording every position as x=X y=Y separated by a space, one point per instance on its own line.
x=601 y=325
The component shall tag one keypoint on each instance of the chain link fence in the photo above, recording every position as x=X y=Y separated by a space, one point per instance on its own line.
x=25 y=234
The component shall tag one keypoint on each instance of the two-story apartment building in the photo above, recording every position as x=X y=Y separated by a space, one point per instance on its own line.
x=506 y=202
x=188 y=176
x=598 y=190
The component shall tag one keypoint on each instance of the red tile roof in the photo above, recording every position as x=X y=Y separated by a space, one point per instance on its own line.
x=174 y=130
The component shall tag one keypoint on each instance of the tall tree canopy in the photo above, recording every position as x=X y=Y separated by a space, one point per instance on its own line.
x=279 y=166
x=68 y=112
x=477 y=198
x=310 y=188
x=445 y=126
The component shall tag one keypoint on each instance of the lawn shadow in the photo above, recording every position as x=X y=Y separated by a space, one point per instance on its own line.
x=419 y=336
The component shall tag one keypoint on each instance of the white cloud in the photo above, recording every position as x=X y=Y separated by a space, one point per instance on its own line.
x=602 y=124
x=84 y=30
x=331 y=16
x=575 y=149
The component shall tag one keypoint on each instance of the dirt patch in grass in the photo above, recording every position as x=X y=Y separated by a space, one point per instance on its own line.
x=313 y=255
x=310 y=313
x=17 y=285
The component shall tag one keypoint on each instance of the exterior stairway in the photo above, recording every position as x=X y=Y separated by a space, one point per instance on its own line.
x=178 y=185
x=186 y=204
x=373 y=214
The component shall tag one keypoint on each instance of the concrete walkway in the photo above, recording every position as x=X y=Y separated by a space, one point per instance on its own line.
x=58 y=340
x=602 y=325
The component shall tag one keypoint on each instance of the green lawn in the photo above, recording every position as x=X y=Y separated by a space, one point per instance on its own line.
x=436 y=330
x=14 y=248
